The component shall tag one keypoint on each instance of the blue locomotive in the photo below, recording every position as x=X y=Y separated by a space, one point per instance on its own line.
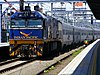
x=31 y=34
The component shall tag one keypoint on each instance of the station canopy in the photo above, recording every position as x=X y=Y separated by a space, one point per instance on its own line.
x=95 y=7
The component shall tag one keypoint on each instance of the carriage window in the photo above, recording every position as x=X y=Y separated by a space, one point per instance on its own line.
x=18 y=23
x=34 y=23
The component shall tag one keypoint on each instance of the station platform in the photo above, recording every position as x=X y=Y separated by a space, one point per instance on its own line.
x=85 y=63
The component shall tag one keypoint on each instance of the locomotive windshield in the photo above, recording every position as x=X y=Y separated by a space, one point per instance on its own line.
x=26 y=23
x=18 y=23
x=34 y=23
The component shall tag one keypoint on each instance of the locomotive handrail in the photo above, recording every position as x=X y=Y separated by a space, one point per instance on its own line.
x=84 y=63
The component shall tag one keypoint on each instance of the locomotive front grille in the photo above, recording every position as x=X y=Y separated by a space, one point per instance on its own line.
x=26 y=41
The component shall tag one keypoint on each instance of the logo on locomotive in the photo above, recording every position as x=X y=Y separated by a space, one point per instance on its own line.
x=26 y=35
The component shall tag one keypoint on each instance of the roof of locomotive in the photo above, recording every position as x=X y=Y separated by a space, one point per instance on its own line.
x=33 y=14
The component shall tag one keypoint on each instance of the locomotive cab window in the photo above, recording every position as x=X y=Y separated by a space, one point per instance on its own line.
x=17 y=23
x=35 y=23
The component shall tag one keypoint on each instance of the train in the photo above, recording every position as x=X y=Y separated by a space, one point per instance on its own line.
x=34 y=34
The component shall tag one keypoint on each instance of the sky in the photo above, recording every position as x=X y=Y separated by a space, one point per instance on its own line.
x=45 y=6
x=24 y=0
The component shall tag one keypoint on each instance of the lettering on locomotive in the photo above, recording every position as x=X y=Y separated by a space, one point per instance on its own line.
x=23 y=37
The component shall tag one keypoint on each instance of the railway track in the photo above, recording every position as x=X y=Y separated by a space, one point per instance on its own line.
x=8 y=61
x=32 y=66
x=35 y=67
x=12 y=64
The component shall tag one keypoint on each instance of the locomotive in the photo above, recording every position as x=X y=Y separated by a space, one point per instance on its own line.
x=33 y=34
